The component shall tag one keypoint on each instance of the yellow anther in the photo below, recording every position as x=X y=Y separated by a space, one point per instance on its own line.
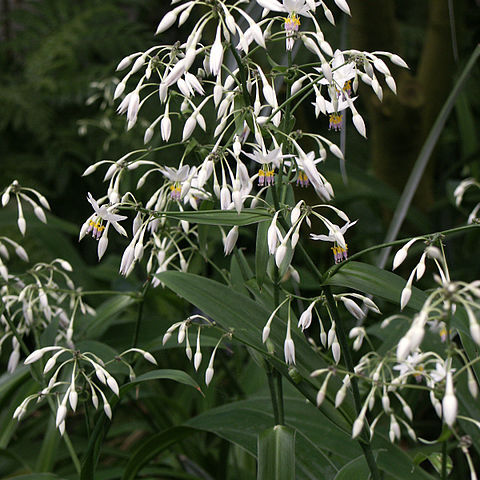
x=292 y=21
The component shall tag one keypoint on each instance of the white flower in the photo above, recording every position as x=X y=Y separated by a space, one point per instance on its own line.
x=300 y=7
x=353 y=308
x=440 y=372
x=449 y=402
x=306 y=317
x=289 y=347
x=269 y=159
x=401 y=254
x=335 y=233
x=177 y=176
x=409 y=364
x=342 y=74
x=216 y=53
x=308 y=173
x=103 y=214
x=230 y=240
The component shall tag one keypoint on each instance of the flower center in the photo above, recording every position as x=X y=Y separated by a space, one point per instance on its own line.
x=302 y=179
x=266 y=177
x=292 y=22
x=336 y=121
x=347 y=88
x=339 y=253
x=96 y=228
x=175 y=192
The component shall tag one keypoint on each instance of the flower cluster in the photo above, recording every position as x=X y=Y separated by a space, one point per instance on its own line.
x=30 y=196
x=75 y=372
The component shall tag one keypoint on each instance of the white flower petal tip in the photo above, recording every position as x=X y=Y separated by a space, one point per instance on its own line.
x=399 y=257
x=397 y=60
x=209 y=375
x=289 y=351
x=405 y=298
x=343 y=6
x=357 y=427
x=449 y=402
x=61 y=414
x=359 y=125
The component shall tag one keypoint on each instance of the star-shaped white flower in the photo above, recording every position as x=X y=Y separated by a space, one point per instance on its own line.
x=335 y=233
x=105 y=213
x=176 y=174
x=440 y=372
x=178 y=177
x=342 y=71
x=300 y=7
x=267 y=157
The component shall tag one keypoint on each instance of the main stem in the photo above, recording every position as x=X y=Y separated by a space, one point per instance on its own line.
x=140 y=313
x=342 y=339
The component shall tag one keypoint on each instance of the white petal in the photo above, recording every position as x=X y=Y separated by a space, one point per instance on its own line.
x=359 y=124
x=343 y=5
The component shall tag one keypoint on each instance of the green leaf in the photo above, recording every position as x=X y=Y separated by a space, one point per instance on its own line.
x=15 y=392
x=38 y=476
x=396 y=462
x=203 y=230
x=153 y=446
x=237 y=275
x=245 y=319
x=375 y=281
x=106 y=314
x=165 y=374
x=321 y=448
x=247 y=216
x=435 y=459
x=357 y=468
x=276 y=454
x=48 y=452
x=92 y=453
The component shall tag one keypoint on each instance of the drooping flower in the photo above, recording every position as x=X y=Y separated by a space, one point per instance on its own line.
x=177 y=176
x=96 y=225
x=340 y=88
x=335 y=235
x=269 y=159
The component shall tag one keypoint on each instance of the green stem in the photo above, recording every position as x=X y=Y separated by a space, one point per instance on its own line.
x=140 y=313
x=342 y=340
x=444 y=460
x=281 y=410
x=273 y=395
x=73 y=454
x=243 y=78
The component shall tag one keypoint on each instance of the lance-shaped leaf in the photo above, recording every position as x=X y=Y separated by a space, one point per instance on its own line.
x=221 y=217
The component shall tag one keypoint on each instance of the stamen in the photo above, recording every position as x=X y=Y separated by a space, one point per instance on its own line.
x=302 y=179
x=270 y=177
x=347 y=88
x=175 y=192
x=291 y=25
x=339 y=253
x=261 y=178
x=336 y=121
